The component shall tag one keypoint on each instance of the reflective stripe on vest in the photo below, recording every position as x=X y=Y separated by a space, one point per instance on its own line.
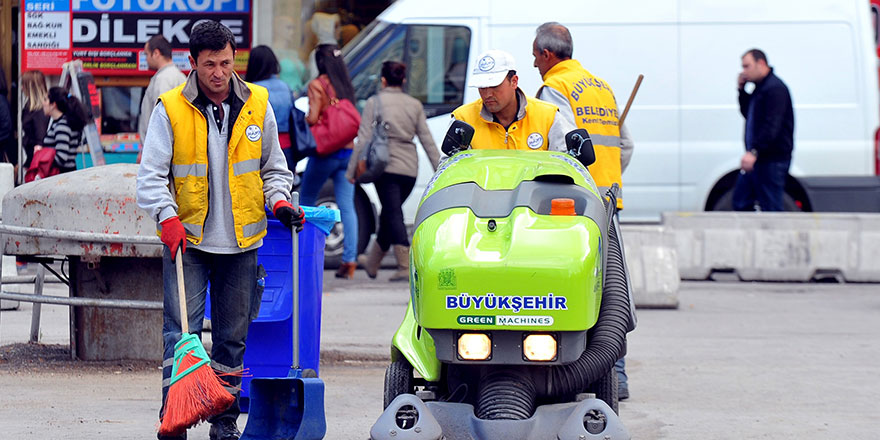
x=189 y=166
x=246 y=166
x=594 y=108
x=195 y=170
x=532 y=132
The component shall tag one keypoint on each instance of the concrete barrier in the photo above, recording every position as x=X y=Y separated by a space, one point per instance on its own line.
x=96 y=200
x=653 y=266
x=777 y=246
x=7 y=182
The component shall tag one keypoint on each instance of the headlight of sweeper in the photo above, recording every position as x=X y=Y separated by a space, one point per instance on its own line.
x=474 y=346
x=539 y=347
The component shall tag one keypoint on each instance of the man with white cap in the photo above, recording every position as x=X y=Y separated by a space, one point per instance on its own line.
x=504 y=117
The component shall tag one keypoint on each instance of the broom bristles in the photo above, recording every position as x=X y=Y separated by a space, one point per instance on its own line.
x=194 y=398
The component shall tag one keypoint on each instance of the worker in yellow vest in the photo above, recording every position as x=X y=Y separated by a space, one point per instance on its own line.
x=589 y=103
x=504 y=117
x=586 y=100
x=211 y=165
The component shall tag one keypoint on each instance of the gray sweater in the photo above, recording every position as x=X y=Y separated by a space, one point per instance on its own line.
x=406 y=119
x=154 y=195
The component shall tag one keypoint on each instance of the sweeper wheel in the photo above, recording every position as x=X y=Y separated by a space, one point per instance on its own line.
x=605 y=389
x=398 y=380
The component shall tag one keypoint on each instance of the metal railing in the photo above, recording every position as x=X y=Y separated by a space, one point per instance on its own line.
x=40 y=278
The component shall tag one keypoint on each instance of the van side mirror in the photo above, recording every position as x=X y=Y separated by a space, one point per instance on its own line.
x=580 y=146
x=458 y=138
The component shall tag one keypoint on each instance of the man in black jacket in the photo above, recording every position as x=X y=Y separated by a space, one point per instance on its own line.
x=768 y=136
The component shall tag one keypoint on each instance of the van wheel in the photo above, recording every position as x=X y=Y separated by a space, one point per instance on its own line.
x=398 y=380
x=725 y=202
x=333 y=242
x=605 y=389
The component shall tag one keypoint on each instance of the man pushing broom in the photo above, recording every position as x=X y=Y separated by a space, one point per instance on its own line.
x=211 y=159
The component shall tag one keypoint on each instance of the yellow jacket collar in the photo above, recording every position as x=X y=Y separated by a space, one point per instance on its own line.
x=570 y=63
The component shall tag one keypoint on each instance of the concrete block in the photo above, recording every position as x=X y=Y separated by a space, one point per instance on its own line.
x=98 y=199
x=653 y=266
x=9 y=269
x=777 y=246
x=7 y=182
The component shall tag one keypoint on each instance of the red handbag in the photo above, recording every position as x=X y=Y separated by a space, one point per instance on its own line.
x=42 y=165
x=338 y=124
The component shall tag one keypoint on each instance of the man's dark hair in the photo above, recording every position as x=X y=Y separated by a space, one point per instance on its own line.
x=510 y=75
x=394 y=73
x=210 y=35
x=757 y=54
x=555 y=38
x=158 y=42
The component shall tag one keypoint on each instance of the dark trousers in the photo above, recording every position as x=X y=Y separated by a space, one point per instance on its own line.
x=234 y=304
x=393 y=189
x=765 y=183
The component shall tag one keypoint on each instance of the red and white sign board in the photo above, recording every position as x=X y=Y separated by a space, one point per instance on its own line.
x=109 y=35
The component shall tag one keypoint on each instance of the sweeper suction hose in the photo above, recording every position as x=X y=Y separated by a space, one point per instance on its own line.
x=506 y=394
x=607 y=339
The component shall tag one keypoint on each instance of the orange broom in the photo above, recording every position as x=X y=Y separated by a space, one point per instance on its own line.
x=195 y=393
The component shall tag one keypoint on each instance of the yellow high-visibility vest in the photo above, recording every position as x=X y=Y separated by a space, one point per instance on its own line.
x=189 y=165
x=594 y=108
x=531 y=130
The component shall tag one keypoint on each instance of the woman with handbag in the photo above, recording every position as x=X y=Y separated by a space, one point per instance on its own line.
x=328 y=93
x=65 y=131
x=404 y=118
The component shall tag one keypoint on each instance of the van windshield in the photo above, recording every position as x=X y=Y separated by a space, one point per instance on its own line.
x=436 y=57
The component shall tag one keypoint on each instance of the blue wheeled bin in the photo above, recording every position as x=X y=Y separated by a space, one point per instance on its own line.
x=269 y=335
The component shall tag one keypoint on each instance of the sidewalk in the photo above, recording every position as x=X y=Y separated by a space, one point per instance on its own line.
x=346 y=305
x=46 y=394
x=736 y=360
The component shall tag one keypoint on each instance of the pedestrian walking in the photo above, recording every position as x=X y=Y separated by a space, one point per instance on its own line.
x=405 y=119
x=213 y=140
x=769 y=136
x=158 y=53
x=34 y=121
x=333 y=79
x=68 y=117
x=263 y=70
x=8 y=146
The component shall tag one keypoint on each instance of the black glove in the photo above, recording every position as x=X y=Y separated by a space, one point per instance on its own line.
x=289 y=216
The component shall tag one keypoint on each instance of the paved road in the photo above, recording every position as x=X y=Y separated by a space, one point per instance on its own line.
x=736 y=360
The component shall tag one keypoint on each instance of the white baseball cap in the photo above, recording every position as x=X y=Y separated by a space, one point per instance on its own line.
x=491 y=68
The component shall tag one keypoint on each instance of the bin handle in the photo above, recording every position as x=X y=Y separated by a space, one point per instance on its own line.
x=294 y=257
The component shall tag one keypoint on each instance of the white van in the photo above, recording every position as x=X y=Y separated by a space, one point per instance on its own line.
x=685 y=121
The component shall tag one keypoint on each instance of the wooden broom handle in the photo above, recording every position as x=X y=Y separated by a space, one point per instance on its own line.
x=630 y=101
x=181 y=294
